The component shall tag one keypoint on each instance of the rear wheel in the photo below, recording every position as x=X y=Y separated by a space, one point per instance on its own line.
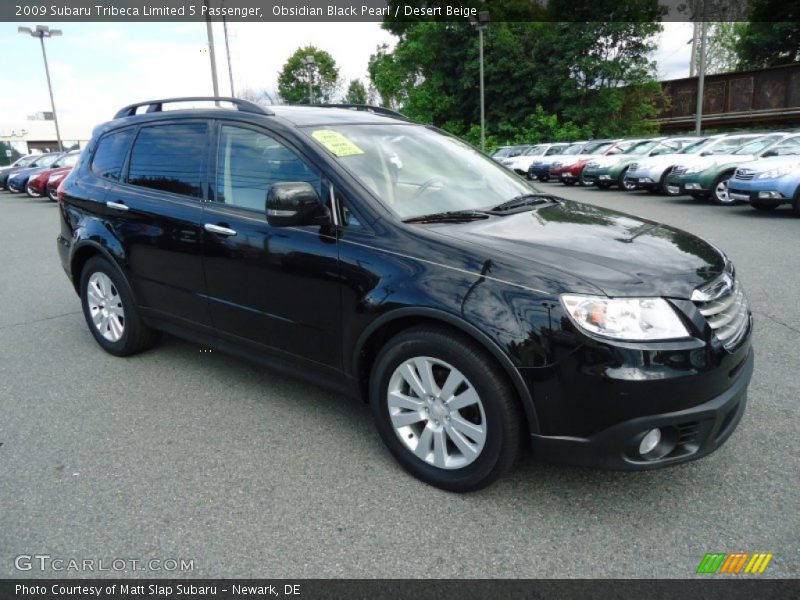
x=110 y=311
x=446 y=413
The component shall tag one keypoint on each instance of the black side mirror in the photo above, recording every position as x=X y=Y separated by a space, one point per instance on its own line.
x=293 y=203
x=769 y=153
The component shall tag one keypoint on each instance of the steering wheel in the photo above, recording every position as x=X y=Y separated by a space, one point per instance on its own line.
x=425 y=187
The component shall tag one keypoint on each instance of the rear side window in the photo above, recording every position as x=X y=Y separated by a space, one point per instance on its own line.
x=170 y=158
x=110 y=154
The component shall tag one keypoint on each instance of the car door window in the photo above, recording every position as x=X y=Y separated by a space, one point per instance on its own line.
x=111 y=152
x=249 y=162
x=170 y=158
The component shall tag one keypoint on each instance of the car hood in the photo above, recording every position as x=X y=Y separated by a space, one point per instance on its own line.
x=765 y=164
x=25 y=171
x=609 y=160
x=619 y=254
x=664 y=160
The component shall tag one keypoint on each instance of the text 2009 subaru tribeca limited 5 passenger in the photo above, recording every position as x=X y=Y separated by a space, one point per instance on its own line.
x=383 y=257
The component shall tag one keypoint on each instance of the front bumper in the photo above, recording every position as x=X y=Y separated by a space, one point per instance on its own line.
x=768 y=197
x=688 y=434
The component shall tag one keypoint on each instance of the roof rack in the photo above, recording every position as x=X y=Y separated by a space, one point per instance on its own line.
x=378 y=110
x=158 y=105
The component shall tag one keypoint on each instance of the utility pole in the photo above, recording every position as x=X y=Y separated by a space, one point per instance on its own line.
x=228 y=53
x=211 y=55
x=483 y=21
x=701 y=72
x=310 y=63
x=41 y=32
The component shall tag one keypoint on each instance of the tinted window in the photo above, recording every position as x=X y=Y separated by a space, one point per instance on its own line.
x=110 y=154
x=249 y=162
x=170 y=158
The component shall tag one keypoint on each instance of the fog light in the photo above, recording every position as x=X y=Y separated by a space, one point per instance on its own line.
x=605 y=177
x=692 y=186
x=650 y=441
x=769 y=195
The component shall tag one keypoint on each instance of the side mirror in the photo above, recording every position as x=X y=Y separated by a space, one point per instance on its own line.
x=293 y=203
x=769 y=153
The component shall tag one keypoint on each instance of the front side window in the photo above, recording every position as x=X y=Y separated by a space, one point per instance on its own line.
x=170 y=158
x=110 y=154
x=249 y=162
x=787 y=147
x=555 y=150
x=758 y=145
x=417 y=171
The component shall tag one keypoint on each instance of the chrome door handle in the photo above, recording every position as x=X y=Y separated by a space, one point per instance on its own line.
x=218 y=229
x=117 y=205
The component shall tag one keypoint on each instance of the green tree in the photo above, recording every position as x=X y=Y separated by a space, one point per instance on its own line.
x=356 y=93
x=764 y=41
x=294 y=77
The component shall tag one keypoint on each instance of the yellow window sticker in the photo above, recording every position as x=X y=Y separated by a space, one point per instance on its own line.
x=338 y=144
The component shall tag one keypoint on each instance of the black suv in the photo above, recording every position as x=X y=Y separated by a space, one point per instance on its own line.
x=396 y=263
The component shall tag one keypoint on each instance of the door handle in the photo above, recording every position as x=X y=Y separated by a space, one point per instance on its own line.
x=117 y=205
x=218 y=229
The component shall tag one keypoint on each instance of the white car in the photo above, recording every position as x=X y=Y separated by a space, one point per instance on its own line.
x=651 y=173
x=522 y=163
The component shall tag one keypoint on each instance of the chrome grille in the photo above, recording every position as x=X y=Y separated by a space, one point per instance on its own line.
x=724 y=305
x=744 y=174
x=633 y=167
x=556 y=164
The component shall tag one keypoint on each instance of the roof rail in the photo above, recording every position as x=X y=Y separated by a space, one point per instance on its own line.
x=378 y=110
x=158 y=105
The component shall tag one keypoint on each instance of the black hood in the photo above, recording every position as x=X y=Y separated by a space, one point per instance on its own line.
x=620 y=254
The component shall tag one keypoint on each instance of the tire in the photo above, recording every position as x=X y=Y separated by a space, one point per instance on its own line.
x=664 y=187
x=763 y=207
x=465 y=463
x=119 y=331
x=30 y=193
x=625 y=187
x=581 y=181
x=719 y=190
x=796 y=207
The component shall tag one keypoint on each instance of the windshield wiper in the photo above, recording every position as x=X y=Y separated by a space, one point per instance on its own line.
x=452 y=216
x=520 y=201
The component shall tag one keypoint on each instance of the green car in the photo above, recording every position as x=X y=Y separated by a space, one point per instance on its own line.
x=707 y=176
x=605 y=171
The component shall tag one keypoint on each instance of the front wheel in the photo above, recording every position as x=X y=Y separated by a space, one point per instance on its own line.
x=446 y=413
x=719 y=190
x=110 y=311
x=626 y=185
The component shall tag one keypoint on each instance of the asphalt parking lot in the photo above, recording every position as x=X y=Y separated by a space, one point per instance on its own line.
x=179 y=453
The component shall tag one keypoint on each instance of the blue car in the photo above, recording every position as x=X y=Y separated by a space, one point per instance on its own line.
x=18 y=179
x=769 y=182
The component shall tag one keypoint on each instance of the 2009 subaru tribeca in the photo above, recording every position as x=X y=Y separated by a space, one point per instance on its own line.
x=475 y=314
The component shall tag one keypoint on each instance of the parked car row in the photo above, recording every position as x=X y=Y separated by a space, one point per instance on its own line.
x=38 y=174
x=760 y=168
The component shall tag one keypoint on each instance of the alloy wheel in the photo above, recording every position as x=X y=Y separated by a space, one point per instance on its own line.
x=105 y=306
x=436 y=412
x=721 y=192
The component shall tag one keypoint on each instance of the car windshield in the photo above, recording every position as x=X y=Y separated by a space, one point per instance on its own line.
x=640 y=148
x=759 y=144
x=25 y=160
x=666 y=147
x=696 y=146
x=417 y=171
x=534 y=151
x=556 y=150
x=68 y=160
x=46 y=160
x=597 y=148
x=516 y=151
x=501 y=152
x=574 y=149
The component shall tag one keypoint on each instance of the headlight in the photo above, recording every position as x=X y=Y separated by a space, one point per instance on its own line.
x=631 y=319
x=777 y=172
x=696 y=169
x=53 y=177
x=593 y=164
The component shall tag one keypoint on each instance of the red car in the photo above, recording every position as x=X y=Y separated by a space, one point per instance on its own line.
x=38 y=183
x=54 y=181
x=568 y=168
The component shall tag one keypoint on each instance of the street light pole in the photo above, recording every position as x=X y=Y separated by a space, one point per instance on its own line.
x=211 y=55
x=41 y=32
x=483 y=21
x=310 y=63
x=701 y=72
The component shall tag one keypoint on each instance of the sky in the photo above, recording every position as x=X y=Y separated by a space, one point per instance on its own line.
x=97 y=68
